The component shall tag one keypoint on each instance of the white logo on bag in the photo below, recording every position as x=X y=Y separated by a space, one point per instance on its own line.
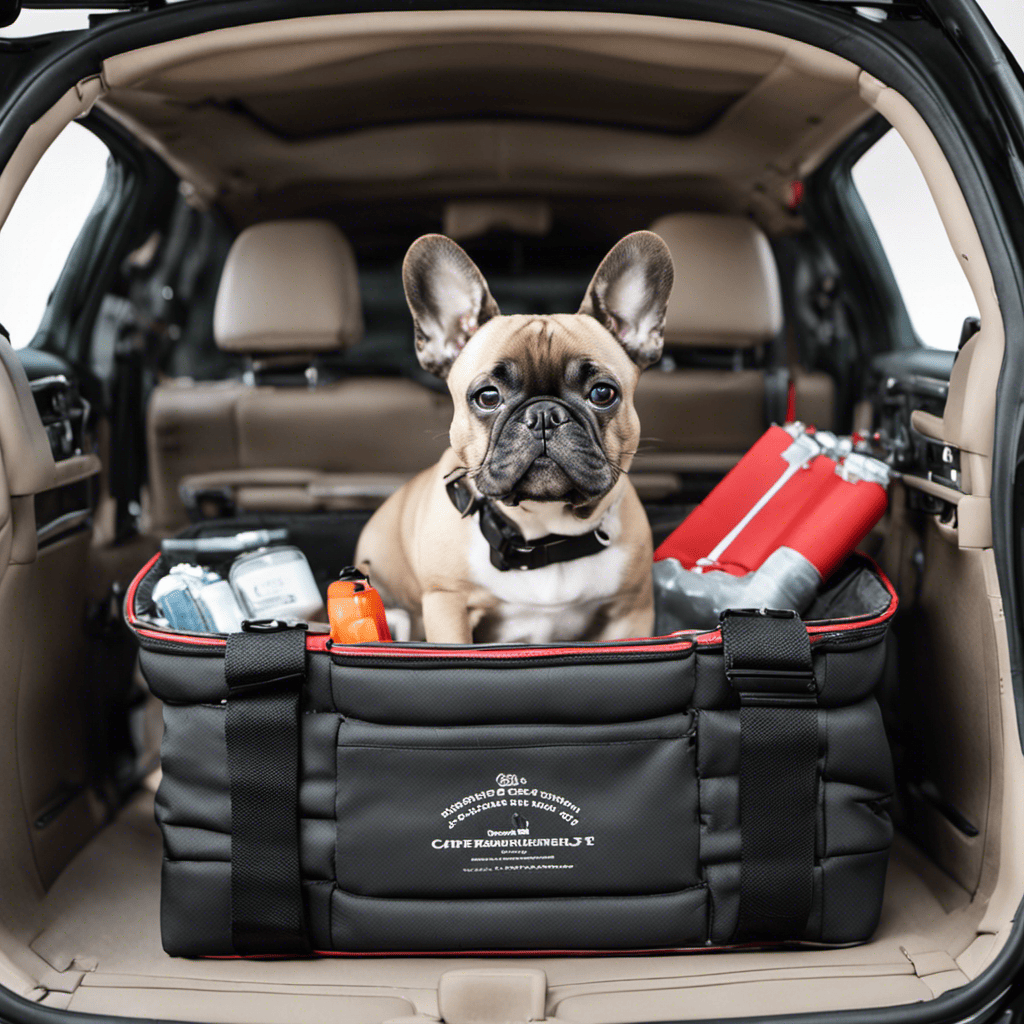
x=501 y=841
x=513 y=793
x=516 y=848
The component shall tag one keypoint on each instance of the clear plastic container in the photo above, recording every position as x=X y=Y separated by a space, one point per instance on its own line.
x=275 y=583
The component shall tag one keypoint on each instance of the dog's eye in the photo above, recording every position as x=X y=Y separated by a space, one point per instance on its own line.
x=488 y=398
x=603 y=395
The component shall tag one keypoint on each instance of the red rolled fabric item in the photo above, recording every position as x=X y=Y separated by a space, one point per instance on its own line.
x=797 y=489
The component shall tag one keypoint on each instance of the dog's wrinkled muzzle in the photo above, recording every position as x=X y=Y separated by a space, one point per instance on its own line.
x=544 y=451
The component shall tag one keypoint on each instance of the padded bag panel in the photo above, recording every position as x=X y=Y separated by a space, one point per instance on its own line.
x=669 y=921
x=517 y=810
x=195 y=909
x=200 y=676
x=193 y=808
x=193 y=803
x=478 y=691
x=853 y=828
x=846 y=670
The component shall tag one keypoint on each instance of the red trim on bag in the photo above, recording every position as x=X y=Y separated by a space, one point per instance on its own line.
x=129 y=599
x=183 y=638
x=318 y=642
x=398 y=651
x=791 y=401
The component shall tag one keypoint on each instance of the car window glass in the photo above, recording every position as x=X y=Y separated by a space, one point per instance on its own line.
x=896 y=197
x=43 y=225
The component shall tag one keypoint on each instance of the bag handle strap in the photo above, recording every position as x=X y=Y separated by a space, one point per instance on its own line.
x=768 y=663
x=265 y=670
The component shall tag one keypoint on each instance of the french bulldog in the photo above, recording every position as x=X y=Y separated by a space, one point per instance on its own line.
x=528 y=528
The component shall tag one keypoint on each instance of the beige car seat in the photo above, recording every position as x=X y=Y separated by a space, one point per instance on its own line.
x=289 y=291
x=726 y=300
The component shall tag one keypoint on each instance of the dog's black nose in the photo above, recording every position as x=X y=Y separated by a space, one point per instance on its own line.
x=542 y=418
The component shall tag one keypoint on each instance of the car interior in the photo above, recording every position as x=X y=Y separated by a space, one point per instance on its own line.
x=247 y=351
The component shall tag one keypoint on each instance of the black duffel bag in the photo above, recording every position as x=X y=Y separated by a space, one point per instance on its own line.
x=699 y=790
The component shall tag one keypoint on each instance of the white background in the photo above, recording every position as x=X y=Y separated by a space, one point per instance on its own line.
x=54 y=204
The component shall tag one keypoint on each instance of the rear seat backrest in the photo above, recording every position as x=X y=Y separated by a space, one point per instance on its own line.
x=726 y=297
x=288 y=288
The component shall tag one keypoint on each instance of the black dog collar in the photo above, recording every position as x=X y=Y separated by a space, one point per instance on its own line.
x=509 y=548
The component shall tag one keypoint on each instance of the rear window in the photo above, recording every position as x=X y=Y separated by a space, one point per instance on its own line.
x=46 y=219
x=927 y=272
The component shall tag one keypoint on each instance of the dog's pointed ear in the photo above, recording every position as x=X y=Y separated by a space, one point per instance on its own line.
x=449 y=299
x=629 y=293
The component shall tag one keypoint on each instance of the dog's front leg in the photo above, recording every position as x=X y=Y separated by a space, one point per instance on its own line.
x=633 y=616
x=446 y=618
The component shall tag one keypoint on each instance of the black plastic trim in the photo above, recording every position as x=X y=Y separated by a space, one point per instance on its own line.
x=16 y=1010
x=836 y=211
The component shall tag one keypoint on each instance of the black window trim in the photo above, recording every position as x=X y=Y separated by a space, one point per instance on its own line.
x=837 y=212
x=138 y=181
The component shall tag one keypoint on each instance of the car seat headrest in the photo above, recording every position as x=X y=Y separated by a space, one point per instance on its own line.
x=288 y=286
x=726 y=292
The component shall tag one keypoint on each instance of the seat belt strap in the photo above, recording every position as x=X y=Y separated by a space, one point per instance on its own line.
x=778 y=380
x=265 y=672
x=768 y=663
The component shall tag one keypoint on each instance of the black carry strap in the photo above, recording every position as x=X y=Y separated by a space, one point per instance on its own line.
x=768 y=663
x=509 y=548
x=265 y=668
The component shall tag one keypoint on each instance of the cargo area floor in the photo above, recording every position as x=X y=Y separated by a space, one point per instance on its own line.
x=100 y=935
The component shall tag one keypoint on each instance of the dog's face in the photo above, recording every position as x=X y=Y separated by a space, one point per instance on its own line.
x=543 y=404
